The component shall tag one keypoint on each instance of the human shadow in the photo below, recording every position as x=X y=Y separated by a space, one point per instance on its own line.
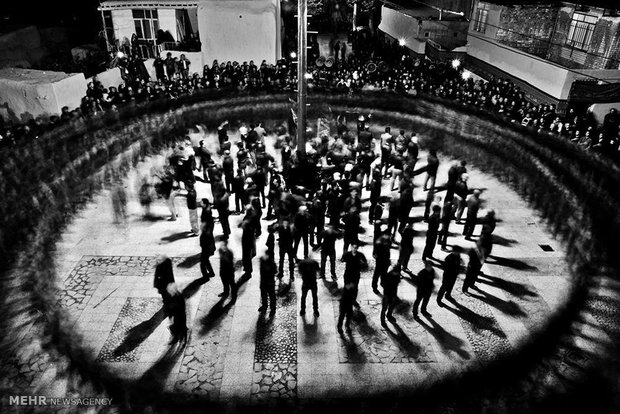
x=155 y=378
x=351 y=349
x=479 y=322
x=445 y=339
x=410 y=348
x=214 y=316
x=153 y=218
x=311 y=331
x=138 y=334
x=189 y=261
x=506 y=307
x=502 y=241
x=177 y=236
x=512 y=263
x=516 y=289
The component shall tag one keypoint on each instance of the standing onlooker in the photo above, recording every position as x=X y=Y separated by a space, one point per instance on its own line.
x=381 y=253
x=192 y=206
x=183 y=65
x=207 y=245
x=268 y=272
x=285 y=245
x=446 y=218
x=473 y=269
x=355 y=262
x=238 y=188
x=425 y=285
x=163 y=277
x=221 y=203
x=390 y=282
x=451 y=269
x=227 y=271
x=432 y=165
x=170 y=66
x=328 y=249
x=431 y=233
x=473 y=205
x=406 y=246
x=248 y=246
x=349 y=292
x=301 y=229
x=308 y=269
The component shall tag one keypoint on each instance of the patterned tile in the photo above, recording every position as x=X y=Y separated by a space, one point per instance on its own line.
x=202 y=366
x=276 y=338
x=483 y=332
x=137 y=319
x=369 y=342
x=274 y=381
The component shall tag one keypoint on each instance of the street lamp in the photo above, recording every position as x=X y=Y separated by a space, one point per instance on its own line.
x=293 y=55
x=402 y=42
x=456 y=63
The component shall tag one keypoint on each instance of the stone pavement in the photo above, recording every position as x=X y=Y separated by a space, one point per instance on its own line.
x=106 y=271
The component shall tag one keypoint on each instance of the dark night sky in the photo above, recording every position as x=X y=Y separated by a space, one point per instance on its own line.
x=80 y=15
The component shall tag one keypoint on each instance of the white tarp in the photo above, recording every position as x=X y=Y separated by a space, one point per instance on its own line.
x=402 y=27
x=27 y=93
x=240 y=30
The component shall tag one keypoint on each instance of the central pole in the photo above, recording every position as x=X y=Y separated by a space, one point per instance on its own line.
x=302 y=69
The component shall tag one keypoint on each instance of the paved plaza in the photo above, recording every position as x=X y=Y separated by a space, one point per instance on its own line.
x=106 y=282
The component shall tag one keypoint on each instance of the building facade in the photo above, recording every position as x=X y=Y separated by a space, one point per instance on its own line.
x=210 y=29
x=552 y=50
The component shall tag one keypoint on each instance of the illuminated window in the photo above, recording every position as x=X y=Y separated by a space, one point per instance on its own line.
x=581 y=29
x=480 y=24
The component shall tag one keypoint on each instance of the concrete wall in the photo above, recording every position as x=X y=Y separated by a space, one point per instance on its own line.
x=123 y=24
x=168 y=21
x=111 y=77
x=549 y=78
x=240 y=30
x=27 y=94
x=600 y=110
x=402 y=27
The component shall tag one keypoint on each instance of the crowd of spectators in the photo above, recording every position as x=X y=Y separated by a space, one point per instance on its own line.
x=365 y=69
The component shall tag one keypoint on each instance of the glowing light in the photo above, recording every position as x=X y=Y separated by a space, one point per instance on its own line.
x=456 y=63
x=308 y=76
x=466 y=75
x=401 y=42
x=293 y=55
x=120 y=55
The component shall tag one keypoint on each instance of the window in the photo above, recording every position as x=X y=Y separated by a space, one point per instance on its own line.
x=581 y=29
x=480 y=24
x=108 y=25
x=146 y=23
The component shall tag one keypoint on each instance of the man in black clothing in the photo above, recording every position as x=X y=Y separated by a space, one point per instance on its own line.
x=207 y=245
x=227 y=271
x=389 y=282
x=346 y=305
x=238 y=189
x=308 y=269
x=301 y=229
x=355 y=262
x=351 y=229
x=220 y=202
x=381 y=254
x=473 y=269
x=267 y=282
x=228 y=169
x=425 y=285
x=394 y=214
x=285 y=245
x=248 y=247
x=328 y=250
x=317 y=213
x=473 y=205
x=163 y=277
x=431 y=233
x=446 y=218
x=432 y=165
x=375 y=193
x=451 y=269
x=406 y=245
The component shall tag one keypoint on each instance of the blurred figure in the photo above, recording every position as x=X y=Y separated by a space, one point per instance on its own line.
x=425 y=284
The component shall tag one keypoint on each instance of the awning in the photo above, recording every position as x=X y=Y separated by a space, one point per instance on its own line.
x=591 y=92
x=154 y=4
